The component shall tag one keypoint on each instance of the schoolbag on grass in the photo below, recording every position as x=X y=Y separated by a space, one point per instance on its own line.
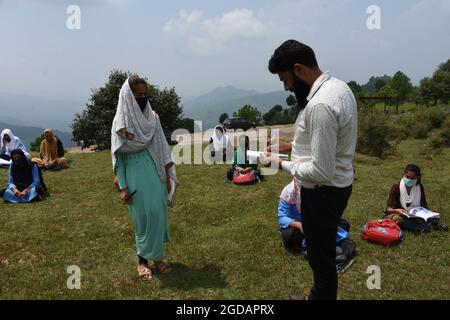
x=415 y=225
x=245 y=178
x=382 y=231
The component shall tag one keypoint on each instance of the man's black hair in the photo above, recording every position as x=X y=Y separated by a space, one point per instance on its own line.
x=290 y=53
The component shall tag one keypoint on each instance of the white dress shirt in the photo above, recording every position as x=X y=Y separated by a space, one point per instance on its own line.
x=325 y=134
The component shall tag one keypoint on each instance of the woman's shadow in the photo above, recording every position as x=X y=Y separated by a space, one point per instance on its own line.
x=185 y=278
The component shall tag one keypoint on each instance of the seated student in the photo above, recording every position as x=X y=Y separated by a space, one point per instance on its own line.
x=24 y=181
x=9 y=142
x=219 y=145
x=51 y=153
x=407 y=194
x=291 y=229
x=241 y=163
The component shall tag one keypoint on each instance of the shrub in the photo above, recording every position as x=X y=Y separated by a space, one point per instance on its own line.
x=445 y=133
x=434 y=117
x=420 y=130
x=374 y=134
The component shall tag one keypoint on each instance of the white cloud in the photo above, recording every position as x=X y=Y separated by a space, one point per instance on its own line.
x=213 y=36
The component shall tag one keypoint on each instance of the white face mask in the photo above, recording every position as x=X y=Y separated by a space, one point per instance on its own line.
x=409 y=182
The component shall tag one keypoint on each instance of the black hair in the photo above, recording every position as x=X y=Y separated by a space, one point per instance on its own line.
x=135 y=80
x=246 y=143
x=220 y=128
x=290 y=53
x=414 y=168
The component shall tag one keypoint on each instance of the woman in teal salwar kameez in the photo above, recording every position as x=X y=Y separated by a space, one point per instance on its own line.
x=143 y=165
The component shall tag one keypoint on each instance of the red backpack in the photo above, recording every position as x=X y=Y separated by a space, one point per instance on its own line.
x=382 y=231
x=246 y=178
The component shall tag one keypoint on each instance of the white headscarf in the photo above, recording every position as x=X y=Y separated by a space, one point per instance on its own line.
x=222 y=142
x=147 y=130
x=291 y=194
x=15 y=143
x=413 y=197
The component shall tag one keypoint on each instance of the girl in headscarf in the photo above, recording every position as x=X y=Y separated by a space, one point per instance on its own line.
x=143 y=165
x=9 y=142
x=51 y=157
x=220 y=145
x=24 y=181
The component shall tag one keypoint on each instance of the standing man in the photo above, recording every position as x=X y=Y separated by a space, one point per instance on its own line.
x=324 y=144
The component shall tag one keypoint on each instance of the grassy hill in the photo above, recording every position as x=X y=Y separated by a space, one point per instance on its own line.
x=225 y=243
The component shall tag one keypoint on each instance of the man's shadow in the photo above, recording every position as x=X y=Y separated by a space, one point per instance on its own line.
x=185 y=278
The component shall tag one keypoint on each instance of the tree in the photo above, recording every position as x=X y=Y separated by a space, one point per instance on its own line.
x=389 y=92
x=249 y=113
x=415 y=96
x=369 y=87
x=291 y=101
x=188 y=124
x=380 y=83
x=444 y=66
x=440 y=83
x=270 y=117
x=93 y=125
x=355 y=87
x=36 y=144
x=223 y=117
x=402 y=84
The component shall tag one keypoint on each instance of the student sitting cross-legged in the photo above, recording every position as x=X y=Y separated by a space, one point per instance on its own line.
x=24 y=180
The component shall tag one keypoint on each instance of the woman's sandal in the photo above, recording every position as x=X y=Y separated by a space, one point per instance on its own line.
x=163 y=267
x=145 y=273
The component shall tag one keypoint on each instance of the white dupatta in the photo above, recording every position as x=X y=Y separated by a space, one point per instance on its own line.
x=148 y=135
x=413 y=198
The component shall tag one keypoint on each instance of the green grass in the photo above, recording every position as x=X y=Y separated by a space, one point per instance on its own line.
x=224 y=245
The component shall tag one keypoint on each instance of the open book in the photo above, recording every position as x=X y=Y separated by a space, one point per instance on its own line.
x=4 y=163
x=425 y=214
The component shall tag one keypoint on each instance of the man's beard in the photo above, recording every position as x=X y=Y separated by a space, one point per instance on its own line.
x=301 y=91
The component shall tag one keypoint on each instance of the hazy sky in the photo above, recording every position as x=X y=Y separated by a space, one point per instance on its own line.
x=199 y=45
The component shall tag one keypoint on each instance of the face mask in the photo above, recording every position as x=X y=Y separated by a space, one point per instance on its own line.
x=142 y=102
x=18 y=163
x=409 y=182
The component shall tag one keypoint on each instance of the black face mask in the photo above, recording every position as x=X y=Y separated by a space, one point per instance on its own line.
x=301 y=91
x=142 y=102
x=17 y=163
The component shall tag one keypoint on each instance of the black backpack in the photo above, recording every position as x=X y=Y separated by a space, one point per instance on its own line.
x=415 y=225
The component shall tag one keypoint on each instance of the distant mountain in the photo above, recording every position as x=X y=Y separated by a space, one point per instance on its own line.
x=210 y=106
x=39 y=112
x=28 y=134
